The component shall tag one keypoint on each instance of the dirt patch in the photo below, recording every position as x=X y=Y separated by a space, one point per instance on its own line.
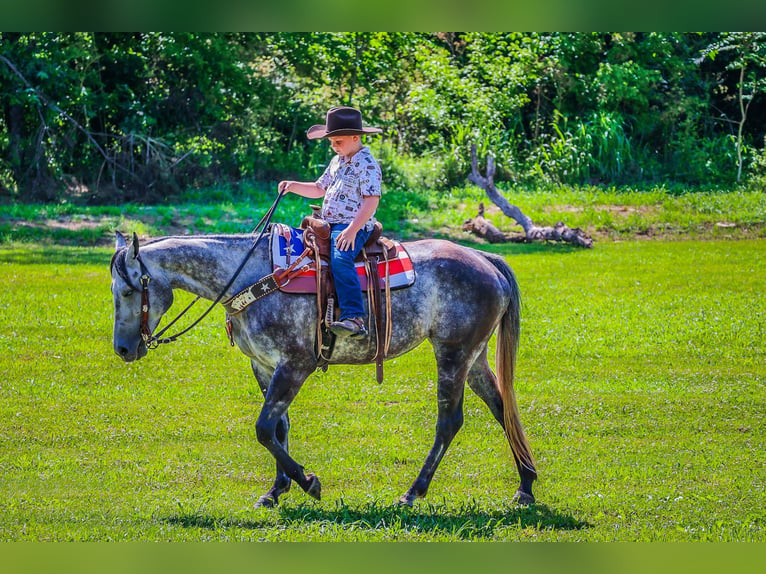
x=97 y=230
x=613 y=209
x=61 y=223
x=69 y=224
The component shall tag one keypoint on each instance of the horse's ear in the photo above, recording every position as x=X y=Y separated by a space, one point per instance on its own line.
x=135 y=245
x=120 y=241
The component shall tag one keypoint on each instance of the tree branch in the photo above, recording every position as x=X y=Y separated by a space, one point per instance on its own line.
x=480 y=226
x=488 y=185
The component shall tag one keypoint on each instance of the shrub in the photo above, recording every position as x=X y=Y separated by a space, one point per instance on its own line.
x=405 y=172
x=757 y=173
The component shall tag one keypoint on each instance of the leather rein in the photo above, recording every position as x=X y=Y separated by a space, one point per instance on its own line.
x=152 y=341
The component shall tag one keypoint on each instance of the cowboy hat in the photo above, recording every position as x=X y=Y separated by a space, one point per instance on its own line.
x=341 y=121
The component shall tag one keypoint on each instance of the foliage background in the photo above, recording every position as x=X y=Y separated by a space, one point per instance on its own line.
x=437 y=161
x=739 y=14
x=115 y=117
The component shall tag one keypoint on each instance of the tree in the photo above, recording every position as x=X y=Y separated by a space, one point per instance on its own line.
x=748 y=53
x=44 y=79
x=110 y=117
x=131 y=116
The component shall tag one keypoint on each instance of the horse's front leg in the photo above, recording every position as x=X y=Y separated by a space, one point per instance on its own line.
x=282 y=482
x=284 y=386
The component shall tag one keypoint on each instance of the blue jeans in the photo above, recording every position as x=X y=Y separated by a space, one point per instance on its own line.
x=344 y=274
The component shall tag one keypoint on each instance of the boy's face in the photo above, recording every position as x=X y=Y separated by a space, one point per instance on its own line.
x=345 y=145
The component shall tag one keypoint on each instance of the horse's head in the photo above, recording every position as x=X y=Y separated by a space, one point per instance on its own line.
x=140 y=299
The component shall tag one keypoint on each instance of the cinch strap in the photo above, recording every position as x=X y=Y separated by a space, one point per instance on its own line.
x=257 y=290
x=265 y=286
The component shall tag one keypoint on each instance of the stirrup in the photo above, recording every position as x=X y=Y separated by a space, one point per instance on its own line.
x=352 y=327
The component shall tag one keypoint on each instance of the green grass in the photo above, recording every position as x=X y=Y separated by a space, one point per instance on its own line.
x=640 y=383
x=627 y=214
x=604 y=213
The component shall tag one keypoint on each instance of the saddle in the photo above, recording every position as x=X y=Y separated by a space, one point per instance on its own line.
x=376 y=246
x=377 y=249
x=301 y=264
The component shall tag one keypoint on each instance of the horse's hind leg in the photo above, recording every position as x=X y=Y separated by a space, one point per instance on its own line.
x=483 y=382
x=282 y=481
x=452 y=371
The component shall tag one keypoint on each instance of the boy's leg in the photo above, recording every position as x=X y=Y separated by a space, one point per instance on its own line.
x=347 y=285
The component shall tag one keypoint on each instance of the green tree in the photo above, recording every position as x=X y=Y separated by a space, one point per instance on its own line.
x=747 y=53
x=119 y=117
x=45 y=97
x=133 y=116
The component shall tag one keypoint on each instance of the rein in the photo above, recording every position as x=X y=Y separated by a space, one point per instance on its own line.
x=153 y=341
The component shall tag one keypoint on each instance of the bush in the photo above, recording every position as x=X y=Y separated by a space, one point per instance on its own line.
x=597 y=148
x=405 y=172
x=757 y=172
x=703 y=161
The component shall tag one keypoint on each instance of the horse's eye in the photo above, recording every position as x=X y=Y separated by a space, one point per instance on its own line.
x=128 y=292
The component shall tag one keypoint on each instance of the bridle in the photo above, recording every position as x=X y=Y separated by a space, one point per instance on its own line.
x=152 y=341
x=119 y=266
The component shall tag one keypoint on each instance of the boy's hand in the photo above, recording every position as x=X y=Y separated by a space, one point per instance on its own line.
x=307 y=189
x=346 y=239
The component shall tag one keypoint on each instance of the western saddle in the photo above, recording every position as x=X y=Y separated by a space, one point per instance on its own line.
x=377 y=249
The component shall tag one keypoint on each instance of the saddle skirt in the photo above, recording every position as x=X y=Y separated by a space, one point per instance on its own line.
x=287 y=246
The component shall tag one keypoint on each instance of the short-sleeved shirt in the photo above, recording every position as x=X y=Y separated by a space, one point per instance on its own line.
x=346 y=182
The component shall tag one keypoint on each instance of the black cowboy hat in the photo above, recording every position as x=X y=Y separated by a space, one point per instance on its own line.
x=341 y=121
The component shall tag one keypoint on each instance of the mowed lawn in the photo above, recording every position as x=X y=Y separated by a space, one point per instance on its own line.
x=640 y=383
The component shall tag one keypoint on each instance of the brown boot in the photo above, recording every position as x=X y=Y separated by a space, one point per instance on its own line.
x=352 y=327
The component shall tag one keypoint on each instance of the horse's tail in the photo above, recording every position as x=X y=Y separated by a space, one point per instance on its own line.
x=505 y=361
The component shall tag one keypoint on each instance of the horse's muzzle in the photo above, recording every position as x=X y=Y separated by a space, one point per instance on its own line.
x=129 y=355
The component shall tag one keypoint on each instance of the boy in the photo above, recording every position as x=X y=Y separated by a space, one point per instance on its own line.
x=351 y=187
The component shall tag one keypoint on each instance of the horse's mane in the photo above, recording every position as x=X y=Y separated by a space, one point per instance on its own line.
x=217 y=236
x=119 y=258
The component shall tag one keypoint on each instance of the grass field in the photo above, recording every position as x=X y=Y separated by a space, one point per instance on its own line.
x=640 y=381
x=604 y=213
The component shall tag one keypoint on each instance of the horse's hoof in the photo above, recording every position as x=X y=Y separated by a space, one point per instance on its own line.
x=523 y=498
x=266 y=501
x=409 y=499
x=314 y=489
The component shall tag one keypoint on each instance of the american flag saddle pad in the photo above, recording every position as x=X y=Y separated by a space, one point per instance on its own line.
x=287 y=246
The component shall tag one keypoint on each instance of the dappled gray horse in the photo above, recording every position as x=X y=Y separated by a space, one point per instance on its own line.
x=459 y=298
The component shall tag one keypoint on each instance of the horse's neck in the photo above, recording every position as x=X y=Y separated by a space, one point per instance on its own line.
x=205 y=265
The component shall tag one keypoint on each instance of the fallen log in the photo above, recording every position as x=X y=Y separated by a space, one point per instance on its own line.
x=483 y=228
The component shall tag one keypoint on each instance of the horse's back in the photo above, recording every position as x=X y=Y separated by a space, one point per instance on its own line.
x=457 y=266
x=458 y=291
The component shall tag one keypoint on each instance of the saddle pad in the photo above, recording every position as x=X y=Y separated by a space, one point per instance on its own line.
x=401 y=273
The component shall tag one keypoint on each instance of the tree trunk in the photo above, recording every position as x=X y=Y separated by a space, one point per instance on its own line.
x=14 y=120
x=483 y=228
x=742 y=118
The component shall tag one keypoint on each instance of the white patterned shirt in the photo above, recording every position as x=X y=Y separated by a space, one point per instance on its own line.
x=346 y=182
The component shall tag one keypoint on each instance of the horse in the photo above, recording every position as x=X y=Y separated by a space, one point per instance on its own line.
x=460 y=297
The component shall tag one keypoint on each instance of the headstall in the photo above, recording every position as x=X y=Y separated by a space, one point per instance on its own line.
x=119 y=263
